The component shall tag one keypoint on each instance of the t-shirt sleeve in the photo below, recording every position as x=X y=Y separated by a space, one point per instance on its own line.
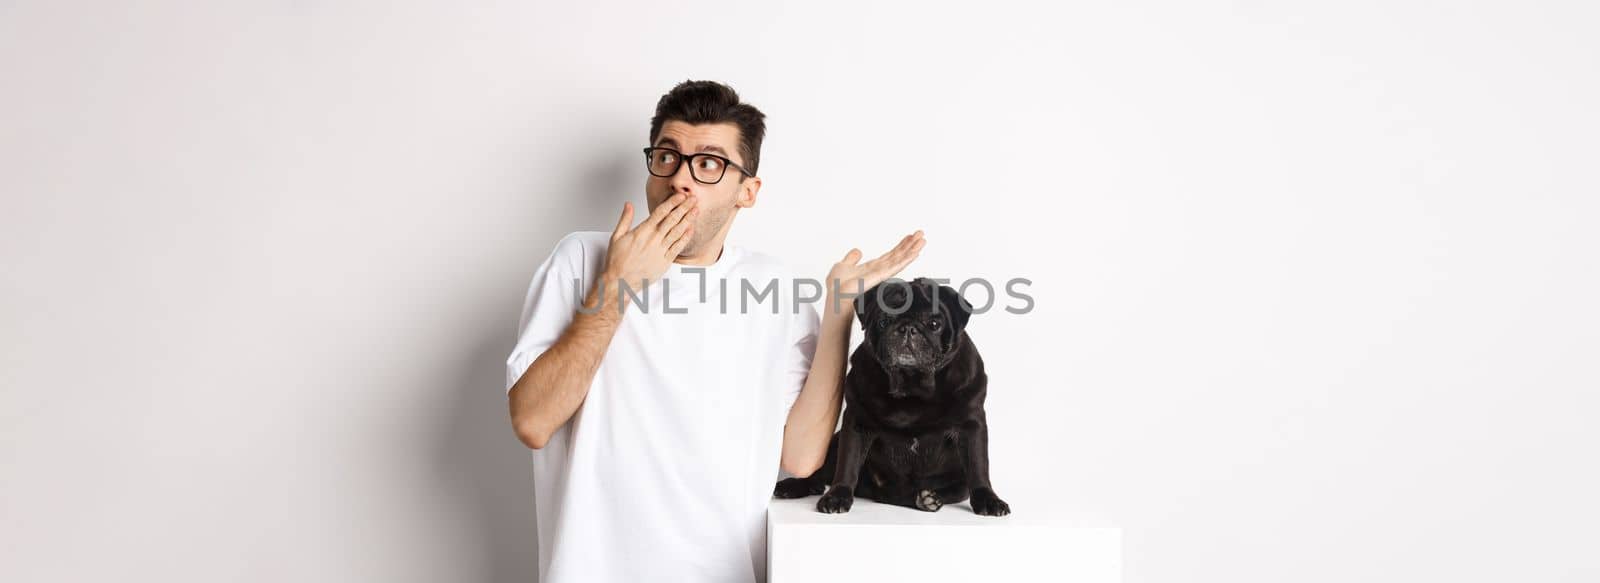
x=548 y=308
x=801 y=347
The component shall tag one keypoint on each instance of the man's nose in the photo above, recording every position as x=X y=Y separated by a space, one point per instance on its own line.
x=683 y=179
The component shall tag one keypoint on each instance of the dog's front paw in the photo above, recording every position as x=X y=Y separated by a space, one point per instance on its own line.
x=837 y=500
x=797 y=488
x=986 y=503
x=929 y=500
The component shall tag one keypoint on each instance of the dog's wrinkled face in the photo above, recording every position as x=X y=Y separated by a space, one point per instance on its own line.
x=912 y=325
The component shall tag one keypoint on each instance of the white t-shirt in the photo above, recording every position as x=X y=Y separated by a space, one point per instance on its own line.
x=665 y=471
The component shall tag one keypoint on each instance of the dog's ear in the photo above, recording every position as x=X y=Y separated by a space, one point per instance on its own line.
x=867 y=306
x=958 y=307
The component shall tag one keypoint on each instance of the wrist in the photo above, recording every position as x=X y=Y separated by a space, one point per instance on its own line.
x=604 y=296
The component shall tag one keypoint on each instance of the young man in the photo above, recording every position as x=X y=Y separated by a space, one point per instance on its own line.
x=658 y=429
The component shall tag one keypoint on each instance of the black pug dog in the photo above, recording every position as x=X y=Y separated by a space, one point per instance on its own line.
x=914 y=431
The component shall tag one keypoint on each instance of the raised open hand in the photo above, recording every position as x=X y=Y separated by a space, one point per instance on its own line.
x=641 y=254
x=855 y=278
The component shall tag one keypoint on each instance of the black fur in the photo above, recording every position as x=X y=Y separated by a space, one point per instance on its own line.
x=914 y=432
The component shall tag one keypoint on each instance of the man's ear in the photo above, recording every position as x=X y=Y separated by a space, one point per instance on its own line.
x=960 y=310
x=747 y=192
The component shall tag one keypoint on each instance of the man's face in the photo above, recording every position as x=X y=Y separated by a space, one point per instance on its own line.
x=718 y=202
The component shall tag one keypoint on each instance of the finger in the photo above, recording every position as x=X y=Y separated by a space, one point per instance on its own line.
x=898 y=260
x=912 y=253
x=904 y=244
x=676 y=218
x=912 y=246
x=912 y=239
x=671 y=236
x=683 y=241
x=897 y=253
x=653 y=222
x=851 y=257
x=892 y=252
x=622 y=224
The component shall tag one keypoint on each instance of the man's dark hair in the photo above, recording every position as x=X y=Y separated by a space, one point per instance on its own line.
x=703 y=102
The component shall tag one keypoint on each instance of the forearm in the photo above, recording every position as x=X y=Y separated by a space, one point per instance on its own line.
x=550 y=392
x=816 y=411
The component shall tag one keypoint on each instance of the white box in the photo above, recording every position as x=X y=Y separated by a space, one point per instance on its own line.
x=879 y=542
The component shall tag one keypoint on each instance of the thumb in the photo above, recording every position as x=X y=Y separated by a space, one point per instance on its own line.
x=852 y=257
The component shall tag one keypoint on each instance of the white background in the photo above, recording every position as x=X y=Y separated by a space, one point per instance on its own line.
x=1315 y=281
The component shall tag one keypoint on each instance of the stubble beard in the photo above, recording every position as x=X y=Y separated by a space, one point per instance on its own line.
x=704 y=228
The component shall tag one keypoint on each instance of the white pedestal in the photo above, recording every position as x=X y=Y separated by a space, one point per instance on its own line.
x=878 y=542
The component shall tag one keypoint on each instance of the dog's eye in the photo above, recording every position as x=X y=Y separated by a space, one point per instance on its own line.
x=935 y=324
x=884 y=323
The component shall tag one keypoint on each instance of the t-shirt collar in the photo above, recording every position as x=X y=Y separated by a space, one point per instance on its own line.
x=730 y=253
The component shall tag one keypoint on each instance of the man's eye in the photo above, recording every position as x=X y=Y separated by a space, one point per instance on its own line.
x=667 y=158
x=710 y=163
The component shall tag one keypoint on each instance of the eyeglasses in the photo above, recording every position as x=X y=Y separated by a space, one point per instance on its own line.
x=705 y=168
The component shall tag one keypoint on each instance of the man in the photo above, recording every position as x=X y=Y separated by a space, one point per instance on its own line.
x=658 y=427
